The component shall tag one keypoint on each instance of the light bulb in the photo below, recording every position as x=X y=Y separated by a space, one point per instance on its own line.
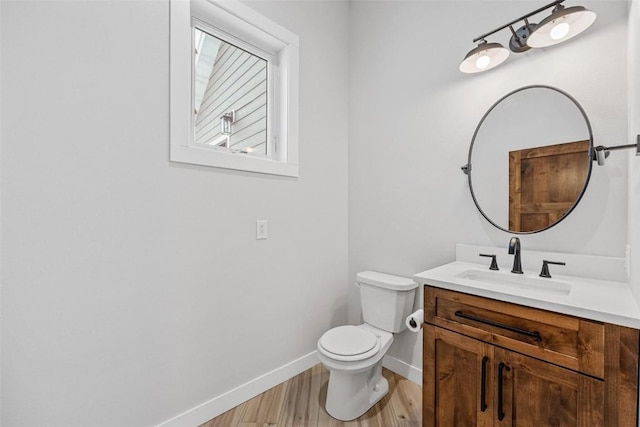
x=483 y=61
x=559 y=31
x=483 y=57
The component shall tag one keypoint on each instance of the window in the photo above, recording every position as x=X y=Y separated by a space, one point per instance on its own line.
x=234 y=88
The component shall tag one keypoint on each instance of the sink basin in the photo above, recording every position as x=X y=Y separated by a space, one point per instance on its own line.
x=518 y=281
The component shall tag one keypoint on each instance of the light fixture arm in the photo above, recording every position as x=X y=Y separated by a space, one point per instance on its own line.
x=600 y=153
x=622 y=147
x=516 y=37
x=522 y=18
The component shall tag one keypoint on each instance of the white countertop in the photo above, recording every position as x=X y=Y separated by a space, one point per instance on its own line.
x=596 y=299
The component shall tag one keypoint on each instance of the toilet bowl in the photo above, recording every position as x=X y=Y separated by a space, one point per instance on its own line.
x=353 y=354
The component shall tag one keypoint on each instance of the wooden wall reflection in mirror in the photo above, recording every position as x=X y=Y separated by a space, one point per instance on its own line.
x=544 y=183
x=530 y=159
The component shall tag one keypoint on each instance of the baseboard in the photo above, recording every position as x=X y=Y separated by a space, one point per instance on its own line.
x=403 y=369
x=222 y=403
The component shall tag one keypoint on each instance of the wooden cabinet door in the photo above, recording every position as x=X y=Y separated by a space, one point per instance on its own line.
x=457 y=380
x=532 y=393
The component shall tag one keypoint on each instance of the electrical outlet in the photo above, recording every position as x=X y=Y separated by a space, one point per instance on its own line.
x=261 y=229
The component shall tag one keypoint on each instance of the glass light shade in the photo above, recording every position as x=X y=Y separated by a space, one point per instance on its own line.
x=225 y=125
x=561 y=25
x=484 y=57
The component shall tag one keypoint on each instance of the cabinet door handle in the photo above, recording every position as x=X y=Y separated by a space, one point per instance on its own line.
x=483 y=390
x=501 y=367
x=535 y=334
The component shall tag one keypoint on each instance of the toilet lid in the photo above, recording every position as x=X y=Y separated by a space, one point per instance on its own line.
x=349 y=342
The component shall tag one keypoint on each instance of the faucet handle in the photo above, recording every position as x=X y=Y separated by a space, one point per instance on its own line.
x=545 y=267
x=494 y=263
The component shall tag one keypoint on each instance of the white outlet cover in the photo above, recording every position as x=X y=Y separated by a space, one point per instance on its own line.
x=262 y=231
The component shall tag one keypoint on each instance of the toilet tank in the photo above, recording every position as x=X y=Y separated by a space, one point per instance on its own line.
x=386 y=299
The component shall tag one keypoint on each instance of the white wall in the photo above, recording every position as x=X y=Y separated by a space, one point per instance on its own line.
x=412 y=116
x=133 y=288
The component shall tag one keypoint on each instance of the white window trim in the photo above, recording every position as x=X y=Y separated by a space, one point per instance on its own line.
x=240 y=22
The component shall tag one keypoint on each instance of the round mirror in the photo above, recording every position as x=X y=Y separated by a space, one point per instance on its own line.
x=530 y=159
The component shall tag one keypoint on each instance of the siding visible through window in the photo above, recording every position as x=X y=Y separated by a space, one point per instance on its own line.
x=238 y=82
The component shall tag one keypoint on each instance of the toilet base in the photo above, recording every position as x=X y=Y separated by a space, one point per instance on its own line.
x=349 y=395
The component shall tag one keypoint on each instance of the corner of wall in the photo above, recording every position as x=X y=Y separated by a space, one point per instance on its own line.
x=633 y=65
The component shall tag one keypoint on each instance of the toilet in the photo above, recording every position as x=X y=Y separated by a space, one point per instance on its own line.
x=353 y=354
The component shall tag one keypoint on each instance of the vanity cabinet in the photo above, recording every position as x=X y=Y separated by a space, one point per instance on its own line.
x=537 y=393
x=493 y=363
x=456 y=369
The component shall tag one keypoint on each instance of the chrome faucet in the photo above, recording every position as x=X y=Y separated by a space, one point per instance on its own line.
x=514 y=249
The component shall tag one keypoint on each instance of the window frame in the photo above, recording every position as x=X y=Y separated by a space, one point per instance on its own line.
x=239 y=23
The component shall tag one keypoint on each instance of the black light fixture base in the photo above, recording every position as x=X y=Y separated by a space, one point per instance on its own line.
x=518 y=41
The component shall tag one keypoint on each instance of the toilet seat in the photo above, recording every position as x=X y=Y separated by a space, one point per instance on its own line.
x=349 y=343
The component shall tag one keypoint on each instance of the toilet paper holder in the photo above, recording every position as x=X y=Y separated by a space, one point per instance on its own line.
x=414 y=320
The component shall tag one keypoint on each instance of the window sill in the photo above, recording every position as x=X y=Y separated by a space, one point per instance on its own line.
x=237 y=161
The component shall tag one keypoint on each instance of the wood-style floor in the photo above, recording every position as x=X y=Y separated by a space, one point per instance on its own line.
x=300 y=402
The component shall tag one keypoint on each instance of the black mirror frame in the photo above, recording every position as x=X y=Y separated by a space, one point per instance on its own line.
x=469 y=169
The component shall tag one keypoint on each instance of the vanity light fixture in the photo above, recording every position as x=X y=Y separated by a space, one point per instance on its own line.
x=600 y=153
x=562 y=24
x=226 y=120
x=484 y=57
